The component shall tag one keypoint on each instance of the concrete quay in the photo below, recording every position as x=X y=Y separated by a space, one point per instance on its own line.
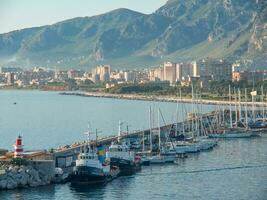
x=160 y=98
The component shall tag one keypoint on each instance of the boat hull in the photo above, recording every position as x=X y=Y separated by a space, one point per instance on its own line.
x=232 y=135
x=85 y=175
x=126 y=167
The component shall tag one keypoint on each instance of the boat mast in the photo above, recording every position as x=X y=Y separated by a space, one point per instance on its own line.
x=119 y=132
x=236 y=117
x=88 y=139
x=143 y=147
x=246 y=107
x=150 y=129
x=176 y=122
x=253 y=107
x=159 y=130
x=88 y=134
x=230 y=107
x=182 y=111
x=266 y=107
x=192 y=104
x=262 y=101
x=239 y=104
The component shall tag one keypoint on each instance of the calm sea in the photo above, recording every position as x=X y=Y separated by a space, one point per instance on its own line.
x=235 y=169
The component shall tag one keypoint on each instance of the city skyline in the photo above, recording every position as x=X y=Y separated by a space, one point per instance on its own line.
x=17 y=15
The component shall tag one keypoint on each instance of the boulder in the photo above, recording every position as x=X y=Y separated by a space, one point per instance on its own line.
x=3 y=184
x=11 y=184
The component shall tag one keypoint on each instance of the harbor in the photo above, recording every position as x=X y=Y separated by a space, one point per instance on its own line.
x=170 y=143
x=196 y=127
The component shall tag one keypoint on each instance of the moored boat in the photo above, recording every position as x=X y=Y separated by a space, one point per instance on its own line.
x=121 y=156
x=90 y=171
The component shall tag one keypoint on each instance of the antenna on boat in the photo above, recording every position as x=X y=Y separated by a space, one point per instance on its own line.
x=96 y=135
x=88 y=132
x=119 y=132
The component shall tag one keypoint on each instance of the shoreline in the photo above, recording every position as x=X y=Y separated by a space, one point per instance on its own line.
x=172 y=99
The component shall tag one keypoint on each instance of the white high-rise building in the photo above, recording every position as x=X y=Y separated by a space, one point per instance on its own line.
x=169 y=72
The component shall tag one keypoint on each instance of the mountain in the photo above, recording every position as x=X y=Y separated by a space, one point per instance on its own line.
x=178 y=31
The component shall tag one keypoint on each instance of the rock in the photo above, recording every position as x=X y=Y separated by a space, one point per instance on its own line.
x=34 y=184
x=3 y=174
x=3 y=184
x=23 y=176
x=11 y=184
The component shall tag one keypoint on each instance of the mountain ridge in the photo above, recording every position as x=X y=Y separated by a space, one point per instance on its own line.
x=177 y=31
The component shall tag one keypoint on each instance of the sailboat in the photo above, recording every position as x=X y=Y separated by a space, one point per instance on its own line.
x=164 y=155
x=234 y=132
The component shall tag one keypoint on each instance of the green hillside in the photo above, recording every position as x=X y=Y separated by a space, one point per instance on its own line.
x=178 y=31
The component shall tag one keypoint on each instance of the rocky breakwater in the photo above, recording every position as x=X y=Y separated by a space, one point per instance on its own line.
x=23 y=176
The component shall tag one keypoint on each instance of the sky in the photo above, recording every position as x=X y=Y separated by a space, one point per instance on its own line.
x=18 y=14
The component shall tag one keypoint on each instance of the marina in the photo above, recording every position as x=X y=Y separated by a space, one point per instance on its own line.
x=173 y=144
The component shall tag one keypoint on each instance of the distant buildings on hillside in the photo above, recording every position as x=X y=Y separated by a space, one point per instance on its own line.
x=184 y=73
x=203 y=70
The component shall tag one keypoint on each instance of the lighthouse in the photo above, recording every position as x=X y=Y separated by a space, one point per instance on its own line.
x=18 y=148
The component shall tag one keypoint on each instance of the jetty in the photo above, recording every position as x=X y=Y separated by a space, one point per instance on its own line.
x=65 y=156
x=160 y=98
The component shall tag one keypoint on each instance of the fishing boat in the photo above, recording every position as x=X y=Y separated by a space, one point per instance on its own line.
x=121 y=156
x=88 y=169
x=91 y=167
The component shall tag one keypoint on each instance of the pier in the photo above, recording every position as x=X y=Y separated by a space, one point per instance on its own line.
x=66 y=155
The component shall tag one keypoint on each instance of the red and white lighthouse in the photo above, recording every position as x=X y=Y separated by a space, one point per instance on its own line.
x=18 y=148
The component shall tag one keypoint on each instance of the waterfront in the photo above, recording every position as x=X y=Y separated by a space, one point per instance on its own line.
x=236 y=169
x=47 y=119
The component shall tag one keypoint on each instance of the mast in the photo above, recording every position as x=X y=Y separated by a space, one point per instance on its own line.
x=196 y=114
x=239 y=104
x=176 y=122
x=143 y=146
x=236 y=117
x=86 y=150
x=246 y=107
x=150 y=129
x=262 y=101
x=119 y=132
x=159 y=130
x=230 y=108
x=192 y=104
x=88 y=134
x=96 y=136
x=266 y=107
x=182 y=110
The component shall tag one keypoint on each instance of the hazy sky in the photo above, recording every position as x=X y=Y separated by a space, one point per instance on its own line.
x=17 y=14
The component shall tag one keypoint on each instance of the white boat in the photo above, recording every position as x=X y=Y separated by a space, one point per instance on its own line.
x=89 y=169
x=233 y=133
x=180 y=147
x=204 y=143
x=162 y=159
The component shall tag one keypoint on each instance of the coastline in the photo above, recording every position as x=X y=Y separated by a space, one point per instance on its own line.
x=173 y=99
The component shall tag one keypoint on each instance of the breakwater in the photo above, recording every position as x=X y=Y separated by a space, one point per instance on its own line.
x=160 y=98
x=35 y=173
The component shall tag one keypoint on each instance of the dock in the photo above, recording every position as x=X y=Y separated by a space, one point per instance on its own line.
x=65 y=156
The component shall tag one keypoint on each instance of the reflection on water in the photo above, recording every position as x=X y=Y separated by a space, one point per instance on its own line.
x=235 y=169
